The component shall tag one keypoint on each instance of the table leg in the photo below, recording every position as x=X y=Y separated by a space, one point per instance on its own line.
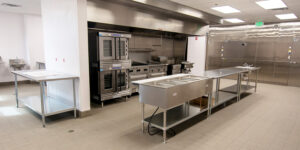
x=74 y=98
x=248 y=78
x=256 y=80
x=143 y=116
x=42 y=88
x=188 y=108
x=165 y=127
x=239 y=87
x=209 y=104
x=16 y=90
x=217 y=90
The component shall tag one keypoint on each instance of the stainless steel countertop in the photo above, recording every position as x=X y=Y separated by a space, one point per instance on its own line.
x=218 y=73
x=172 y=82
x=138 y=82
x=43 y=75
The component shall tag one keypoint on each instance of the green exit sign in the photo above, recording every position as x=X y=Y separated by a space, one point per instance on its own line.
x=259 y=23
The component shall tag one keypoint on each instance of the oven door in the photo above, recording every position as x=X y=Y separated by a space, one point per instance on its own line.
x=121 y=48
x=122 y=79
x=107 y=81
x=107 y=48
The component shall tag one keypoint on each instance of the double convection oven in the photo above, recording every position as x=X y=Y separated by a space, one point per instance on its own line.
x=109 y=72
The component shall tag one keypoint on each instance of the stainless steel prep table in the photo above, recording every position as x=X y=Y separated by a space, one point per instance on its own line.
x=172 y=94
x=228 y=93
x=45 y=105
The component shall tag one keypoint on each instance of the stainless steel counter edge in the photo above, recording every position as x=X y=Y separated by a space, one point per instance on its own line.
x=218 y=73
x=138 y=82
x=60 y=76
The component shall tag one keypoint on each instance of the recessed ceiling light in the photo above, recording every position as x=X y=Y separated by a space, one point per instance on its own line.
x=140 y=1
x=271 y=4
x=225 y=9
x=234 y=20
x=286 y=16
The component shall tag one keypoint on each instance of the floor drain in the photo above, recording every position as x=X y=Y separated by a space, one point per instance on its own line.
x=70 y=131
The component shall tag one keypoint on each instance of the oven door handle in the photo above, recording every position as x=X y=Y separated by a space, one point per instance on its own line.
x=118 y=80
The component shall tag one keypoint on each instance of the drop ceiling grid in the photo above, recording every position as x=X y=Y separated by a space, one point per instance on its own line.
x=250 y=11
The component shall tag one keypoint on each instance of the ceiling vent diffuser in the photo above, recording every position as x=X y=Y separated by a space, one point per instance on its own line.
x=10 y=5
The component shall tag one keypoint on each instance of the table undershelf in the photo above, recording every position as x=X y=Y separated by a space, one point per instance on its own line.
x=52 y=105
x=233 y=88
x=175 y=116
x=223 y=98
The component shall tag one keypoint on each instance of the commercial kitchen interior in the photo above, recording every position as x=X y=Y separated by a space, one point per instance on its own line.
x=149 y=74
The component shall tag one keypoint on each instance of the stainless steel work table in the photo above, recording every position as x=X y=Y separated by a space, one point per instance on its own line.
x=223 y=95
x=45 y=105
x=172 y=94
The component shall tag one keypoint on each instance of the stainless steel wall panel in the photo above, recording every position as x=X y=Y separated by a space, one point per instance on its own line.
x=265 y=54
x=179 y=48
x=234 y=49
x=281 y=66
x=161 y=46
x=294 y=72
x=265 y=49
x=281 y=72
x=281 y=46
x=294 y=75
x=112 y=12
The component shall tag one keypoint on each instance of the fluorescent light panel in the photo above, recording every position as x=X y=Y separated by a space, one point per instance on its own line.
x=271 y=4
x=226 y=9
x=234 y=20
x=286 y=16
x=140 y=1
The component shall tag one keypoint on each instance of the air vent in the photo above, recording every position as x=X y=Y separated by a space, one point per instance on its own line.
x=280 y=8
x=10 y=5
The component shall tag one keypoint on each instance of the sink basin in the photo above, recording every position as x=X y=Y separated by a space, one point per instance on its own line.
x=17 y=63
x=167 y=83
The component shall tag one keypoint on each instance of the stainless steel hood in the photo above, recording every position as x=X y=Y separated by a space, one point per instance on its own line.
x=161 y=15
x=175 y=10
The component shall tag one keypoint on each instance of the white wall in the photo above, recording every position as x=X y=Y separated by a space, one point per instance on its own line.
x=196 y=53
x=20 y=37
x=12 y=37
x=66 y=47
x=34 y=43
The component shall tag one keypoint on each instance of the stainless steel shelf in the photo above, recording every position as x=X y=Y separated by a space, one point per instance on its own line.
x=175 y=116
x=223 y=98
x=233 y=88
x=52 y=105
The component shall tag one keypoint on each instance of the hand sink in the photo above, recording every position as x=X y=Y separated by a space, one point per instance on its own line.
x=17 y=63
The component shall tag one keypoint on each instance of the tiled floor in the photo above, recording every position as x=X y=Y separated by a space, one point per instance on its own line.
x=268 y=119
